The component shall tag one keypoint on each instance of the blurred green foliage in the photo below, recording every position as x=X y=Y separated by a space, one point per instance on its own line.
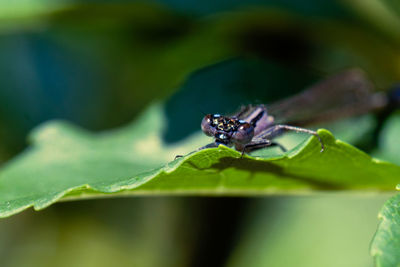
x=100 y=64
x=386 y=243
x=328 y=230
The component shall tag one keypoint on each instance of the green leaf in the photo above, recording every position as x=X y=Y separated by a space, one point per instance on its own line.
x=385 y=246
x=382 y=14
x=65 y=161
x=24 y=8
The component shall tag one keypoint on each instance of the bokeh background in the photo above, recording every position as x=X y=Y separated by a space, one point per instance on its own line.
x=100 y=64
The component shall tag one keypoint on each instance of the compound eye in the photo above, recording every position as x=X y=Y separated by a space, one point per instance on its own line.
x=244 y=133
x=215 y=119
x=207 y=125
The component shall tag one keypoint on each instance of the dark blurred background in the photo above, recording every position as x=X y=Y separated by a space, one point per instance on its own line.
x=99 y=65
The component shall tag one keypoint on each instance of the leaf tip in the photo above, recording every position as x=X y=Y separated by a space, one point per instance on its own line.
x=325 y=135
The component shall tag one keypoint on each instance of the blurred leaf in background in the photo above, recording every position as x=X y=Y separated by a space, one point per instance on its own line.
x=99 y=65
x=386 y=242
x=318 y=231
x=157 y=232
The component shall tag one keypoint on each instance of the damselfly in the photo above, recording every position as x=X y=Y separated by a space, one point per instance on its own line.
x=346 y=94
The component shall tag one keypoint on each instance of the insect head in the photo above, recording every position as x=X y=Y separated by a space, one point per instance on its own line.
x=227 y=130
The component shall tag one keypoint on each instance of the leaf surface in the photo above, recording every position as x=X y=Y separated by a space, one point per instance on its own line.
x=66 y=161
x=385 y=246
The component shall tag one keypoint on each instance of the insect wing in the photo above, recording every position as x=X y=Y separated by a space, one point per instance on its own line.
x=346 y=94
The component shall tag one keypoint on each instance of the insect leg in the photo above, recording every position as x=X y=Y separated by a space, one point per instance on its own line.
x=279 y=145
x=258 y=144
x=211 y=145
x=276 y=130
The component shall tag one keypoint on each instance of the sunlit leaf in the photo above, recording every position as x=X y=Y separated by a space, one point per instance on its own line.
x=65 y=161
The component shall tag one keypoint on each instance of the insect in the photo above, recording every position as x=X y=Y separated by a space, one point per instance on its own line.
x=346 y=94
